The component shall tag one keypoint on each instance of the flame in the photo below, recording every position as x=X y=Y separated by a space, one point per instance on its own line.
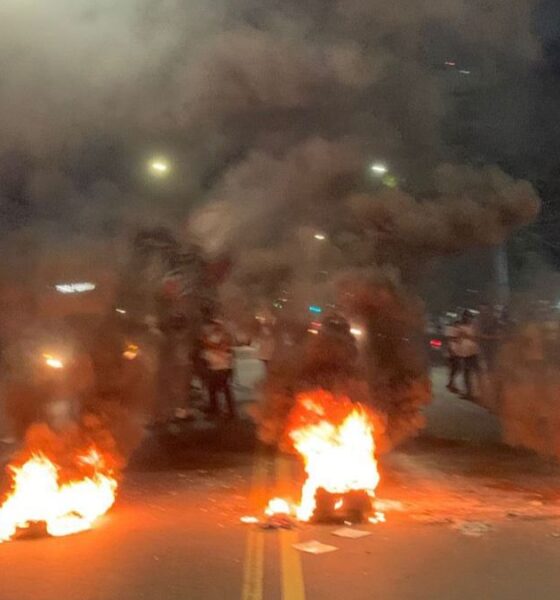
x=37 y=495
x=277 y=506
x=336 y=439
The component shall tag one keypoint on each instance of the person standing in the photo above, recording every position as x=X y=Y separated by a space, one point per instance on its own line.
x=468 y=349
x=453 y=359
x=218 y=355
x=265 y=344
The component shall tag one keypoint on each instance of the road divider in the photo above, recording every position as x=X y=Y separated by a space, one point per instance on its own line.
x=253 y=571
x=293 y=586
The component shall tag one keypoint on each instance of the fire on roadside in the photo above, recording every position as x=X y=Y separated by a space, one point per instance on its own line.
x=40 y=495
x=335 y=438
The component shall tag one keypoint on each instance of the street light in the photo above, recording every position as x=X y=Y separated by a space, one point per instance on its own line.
x=379 y=168
x=320 y=236
x=381 y=171
x=159 y=167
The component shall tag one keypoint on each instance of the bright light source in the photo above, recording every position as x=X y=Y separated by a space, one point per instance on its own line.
x=315 y=309
x=277 y=506
x=121 y=311
x=379 y=168
x=356 y=332
x=465 y=72
x=52 y=362
x=159 y=167
x=320 y=236
x=450 y=63
x=75 y=288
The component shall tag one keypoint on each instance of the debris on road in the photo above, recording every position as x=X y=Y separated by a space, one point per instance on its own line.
x=249 y=520
x=472 y=528
x=353 y=534
x=278 y=515
x=429 y=519
x=388 y=505
x=377 y=517
x=314 y=547
x=279 y=522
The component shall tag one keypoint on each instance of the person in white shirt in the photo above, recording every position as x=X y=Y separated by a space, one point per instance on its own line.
x=218 y=356
x=454 y=360
x=468 y=349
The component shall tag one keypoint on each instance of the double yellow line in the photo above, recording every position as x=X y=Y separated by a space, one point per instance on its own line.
x=292 y=573
x=253 y=574
x=253 y=571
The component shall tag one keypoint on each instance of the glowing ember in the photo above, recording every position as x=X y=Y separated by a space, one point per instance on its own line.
x=38 y=496
x=335 y=438
x=277 y=506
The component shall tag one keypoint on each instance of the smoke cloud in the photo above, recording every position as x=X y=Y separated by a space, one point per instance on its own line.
x=270 y=115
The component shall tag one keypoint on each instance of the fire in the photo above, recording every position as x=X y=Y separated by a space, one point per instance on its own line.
x=277 y=506
x=336 y=439
x=38 y=496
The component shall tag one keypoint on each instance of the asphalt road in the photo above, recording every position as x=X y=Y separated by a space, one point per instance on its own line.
x=175 y=531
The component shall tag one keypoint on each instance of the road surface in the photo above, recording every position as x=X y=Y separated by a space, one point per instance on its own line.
x=175 y=533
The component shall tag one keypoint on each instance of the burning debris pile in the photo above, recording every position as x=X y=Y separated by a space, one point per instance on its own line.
x=61 y=483
x=336 y=440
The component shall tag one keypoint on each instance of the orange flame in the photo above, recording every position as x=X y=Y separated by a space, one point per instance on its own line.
x=336 y=439
x=277 y=506
x=66 y=508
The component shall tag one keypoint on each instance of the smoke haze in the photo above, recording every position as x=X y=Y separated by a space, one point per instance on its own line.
x=270 y=115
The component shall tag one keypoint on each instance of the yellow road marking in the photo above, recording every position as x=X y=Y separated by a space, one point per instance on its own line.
x=293 y=587
x=253 y=571
x=254 y=562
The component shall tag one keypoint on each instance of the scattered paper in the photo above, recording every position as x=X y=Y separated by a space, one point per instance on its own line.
x=473 y=528
x=314 y=547
x=353 y=534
